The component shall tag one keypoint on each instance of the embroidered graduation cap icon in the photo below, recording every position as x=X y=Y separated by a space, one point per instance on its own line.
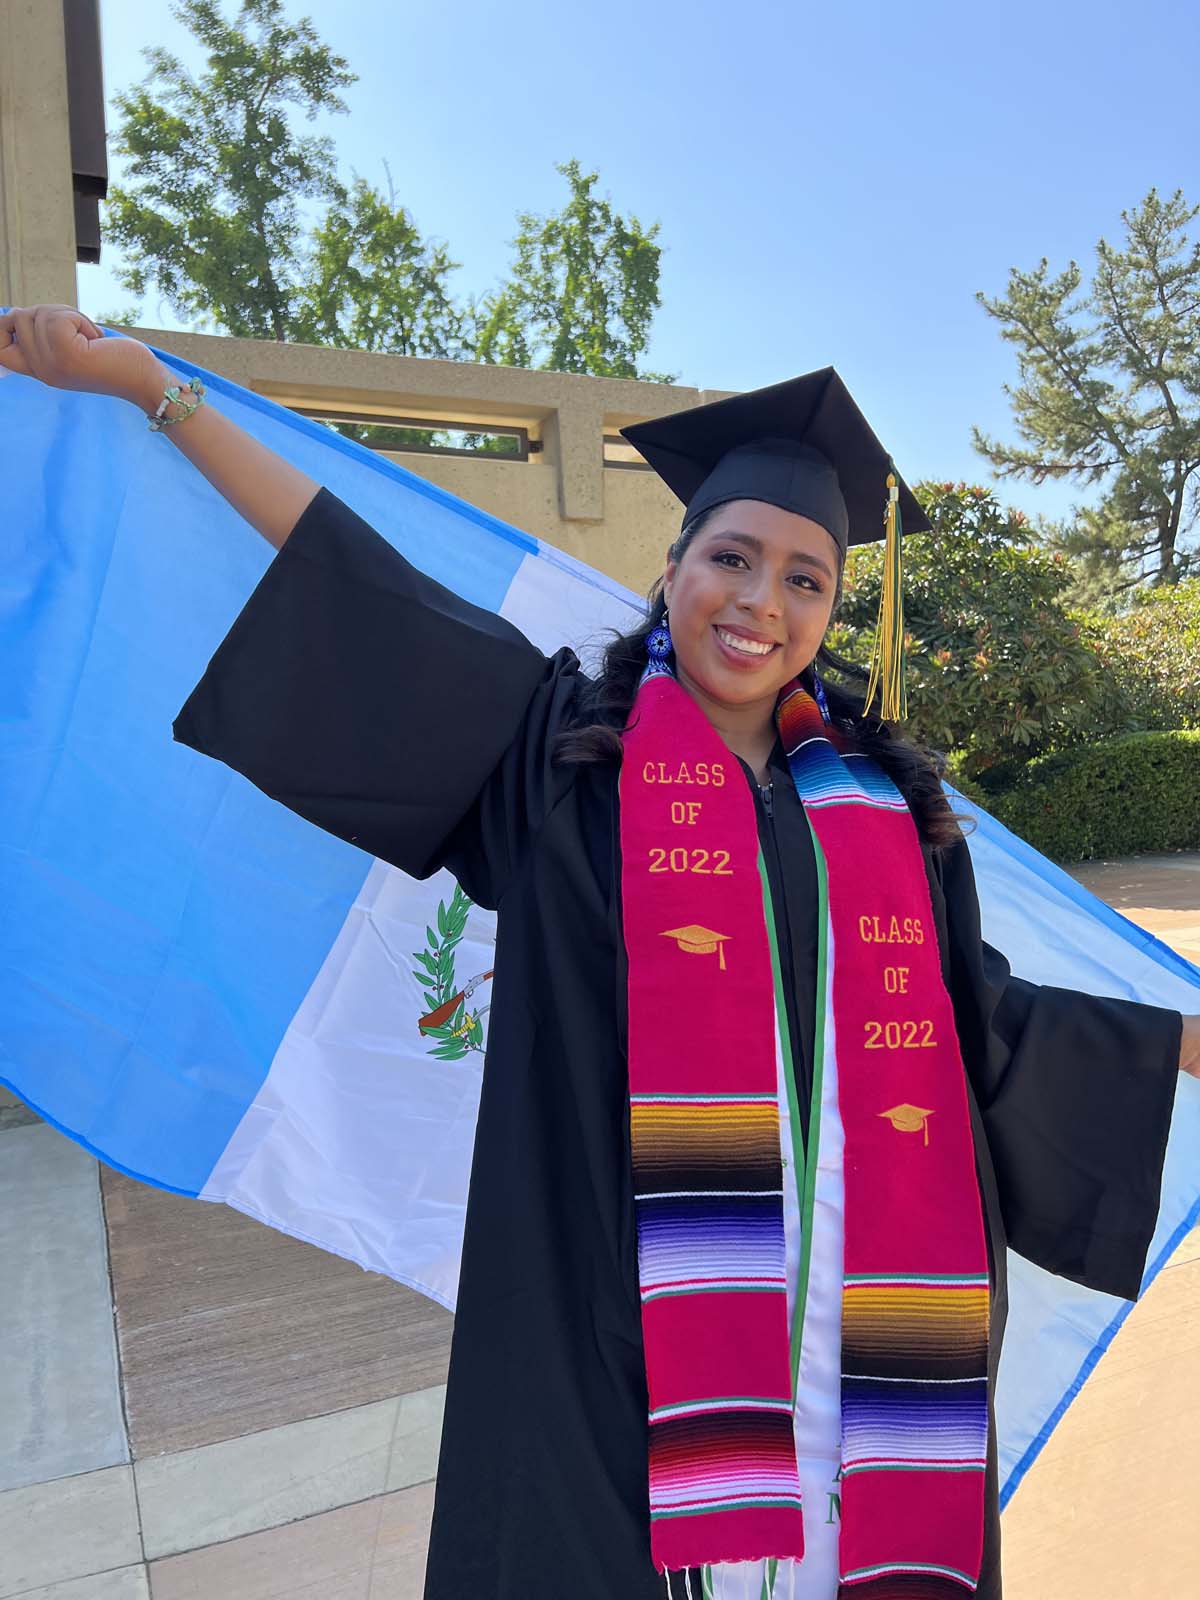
x=805 y=446
x=909 y=1119
x=697 y=941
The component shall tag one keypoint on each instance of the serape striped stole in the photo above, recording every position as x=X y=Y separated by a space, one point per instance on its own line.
x=705 y=1056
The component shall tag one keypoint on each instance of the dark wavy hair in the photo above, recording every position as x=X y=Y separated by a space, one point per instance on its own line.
x=915 y=771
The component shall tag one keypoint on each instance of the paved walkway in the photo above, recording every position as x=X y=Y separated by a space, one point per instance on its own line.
x=1159 y=893
x=193 y=1407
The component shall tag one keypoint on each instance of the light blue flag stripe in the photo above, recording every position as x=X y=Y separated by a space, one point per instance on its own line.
x=148 y=965
x=1057 y=932
x=1105 y=1324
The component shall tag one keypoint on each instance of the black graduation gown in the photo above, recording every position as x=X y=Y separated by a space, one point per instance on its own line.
x=381 y=707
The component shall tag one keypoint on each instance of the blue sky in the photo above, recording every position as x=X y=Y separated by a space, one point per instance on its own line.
x=833 y=184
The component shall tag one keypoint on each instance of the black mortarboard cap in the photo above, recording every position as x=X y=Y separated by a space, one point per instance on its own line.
x=803 y=445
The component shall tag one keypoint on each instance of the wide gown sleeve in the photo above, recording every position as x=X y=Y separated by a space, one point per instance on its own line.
x=1076 y=1093
x=375 y=703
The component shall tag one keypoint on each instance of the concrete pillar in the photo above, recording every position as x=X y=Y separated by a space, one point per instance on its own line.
x=573 y=436
x=37 y=205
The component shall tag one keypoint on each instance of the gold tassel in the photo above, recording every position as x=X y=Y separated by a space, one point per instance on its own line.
x=888 y=656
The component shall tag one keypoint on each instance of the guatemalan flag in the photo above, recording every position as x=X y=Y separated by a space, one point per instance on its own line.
x=215 y=997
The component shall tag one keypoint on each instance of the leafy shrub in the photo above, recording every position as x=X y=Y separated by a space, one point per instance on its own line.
x=1115 y=798
x=998 y=672
x=967 y=785
x=1151 y=655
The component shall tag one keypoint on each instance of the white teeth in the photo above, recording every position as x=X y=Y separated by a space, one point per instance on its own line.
x=748 y=647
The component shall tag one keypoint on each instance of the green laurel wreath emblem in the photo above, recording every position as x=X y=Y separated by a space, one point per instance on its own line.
x=462 y=1031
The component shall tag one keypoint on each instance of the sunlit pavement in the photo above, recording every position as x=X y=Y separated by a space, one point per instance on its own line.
x=1159 y=893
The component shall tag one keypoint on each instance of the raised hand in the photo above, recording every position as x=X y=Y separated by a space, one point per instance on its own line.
x=66 y=350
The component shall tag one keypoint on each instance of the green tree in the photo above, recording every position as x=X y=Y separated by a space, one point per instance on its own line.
x=374 y=284
x=582 y=293
x=1151 y=655
x=1094 y=542
x=210 y=219
x=998 y=672
x=1109 y=390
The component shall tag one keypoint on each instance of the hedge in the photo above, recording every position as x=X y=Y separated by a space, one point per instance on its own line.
x=1115 y=798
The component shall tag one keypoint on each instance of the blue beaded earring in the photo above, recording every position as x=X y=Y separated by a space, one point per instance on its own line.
x=819 y=695
x=658 y=651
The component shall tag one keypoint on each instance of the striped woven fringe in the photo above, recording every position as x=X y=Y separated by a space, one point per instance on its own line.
x=914 y=1374
x=778 y=1580
x=699 y=1235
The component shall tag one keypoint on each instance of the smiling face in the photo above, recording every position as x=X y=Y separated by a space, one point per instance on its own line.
x=749 y=602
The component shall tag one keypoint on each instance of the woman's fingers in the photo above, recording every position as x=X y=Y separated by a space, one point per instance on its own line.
x=64 y=327
x=44 y=323
x=62 y=339
x=12 y=357
x=66 y=350
x=11 y=360
x=23 y=322
x=84 y=325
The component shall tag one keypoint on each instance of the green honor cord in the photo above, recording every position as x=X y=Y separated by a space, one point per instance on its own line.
x=804 y=1162
x=808 y=1198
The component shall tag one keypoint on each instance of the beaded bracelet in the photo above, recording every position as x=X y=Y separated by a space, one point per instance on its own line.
x=171 y=397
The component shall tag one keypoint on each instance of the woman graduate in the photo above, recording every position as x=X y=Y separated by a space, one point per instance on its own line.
x=761 y=1111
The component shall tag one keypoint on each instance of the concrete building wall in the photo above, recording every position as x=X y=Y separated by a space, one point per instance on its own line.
x=616 y=518
x=37 y=215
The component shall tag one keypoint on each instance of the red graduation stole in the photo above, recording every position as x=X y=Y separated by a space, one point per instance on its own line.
x=708 y=1179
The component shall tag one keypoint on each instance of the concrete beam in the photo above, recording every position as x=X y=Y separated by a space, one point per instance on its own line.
x=569 y=412
x=37 y=206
